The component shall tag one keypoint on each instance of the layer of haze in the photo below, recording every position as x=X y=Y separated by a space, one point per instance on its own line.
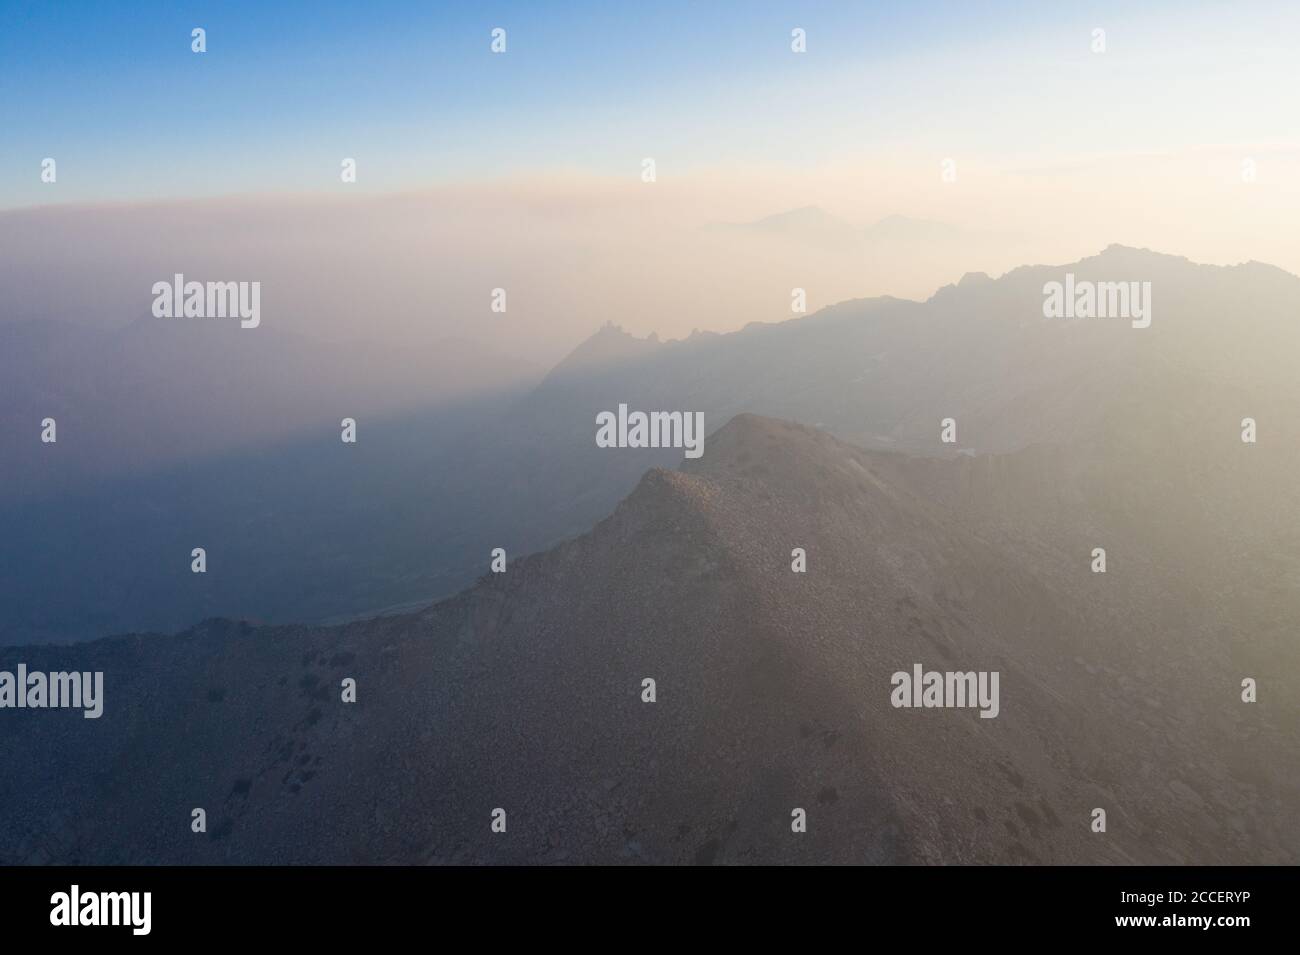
x=688 y=251
x=821 y=171
x=523 y=170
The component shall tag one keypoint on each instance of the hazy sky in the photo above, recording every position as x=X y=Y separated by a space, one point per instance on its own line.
x=523 y=169
x=410 y=90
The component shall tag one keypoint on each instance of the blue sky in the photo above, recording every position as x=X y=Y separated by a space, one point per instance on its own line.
x=113 y=92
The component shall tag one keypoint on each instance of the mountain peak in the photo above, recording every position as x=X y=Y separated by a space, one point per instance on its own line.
x=1128 y=254
x=905 y=228
x=806 y=224
x=608 y=347
x=804 y=215
x=788 y=458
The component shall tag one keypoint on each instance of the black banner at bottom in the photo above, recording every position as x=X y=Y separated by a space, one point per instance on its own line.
x=333 y=905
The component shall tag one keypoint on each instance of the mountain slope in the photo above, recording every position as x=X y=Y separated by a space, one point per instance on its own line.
x=773 y=688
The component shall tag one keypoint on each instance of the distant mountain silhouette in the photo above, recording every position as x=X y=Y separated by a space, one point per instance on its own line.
x=815 y=226
x=895 y=228
x=772 y=693
x=609 y=348
x=300 y=532
x=810 y=224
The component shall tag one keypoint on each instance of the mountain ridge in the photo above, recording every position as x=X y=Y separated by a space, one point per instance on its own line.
x=523 y=472
x=773 y=687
